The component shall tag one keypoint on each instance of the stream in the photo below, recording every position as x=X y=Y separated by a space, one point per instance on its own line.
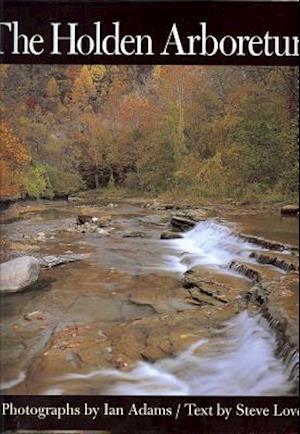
x=123 y=321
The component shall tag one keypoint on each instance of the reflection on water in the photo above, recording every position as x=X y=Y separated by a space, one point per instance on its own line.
x=274 y=227
x=239 y=360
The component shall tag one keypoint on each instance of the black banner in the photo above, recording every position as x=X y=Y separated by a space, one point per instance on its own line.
x=184 y=32
x=234 y=415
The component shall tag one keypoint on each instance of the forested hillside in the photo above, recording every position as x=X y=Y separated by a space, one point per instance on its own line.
x=200 y=132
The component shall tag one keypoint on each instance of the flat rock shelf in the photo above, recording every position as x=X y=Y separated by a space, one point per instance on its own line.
x=137 y=298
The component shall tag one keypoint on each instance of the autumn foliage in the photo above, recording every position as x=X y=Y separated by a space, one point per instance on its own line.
x=14 y=160
x=208 y=132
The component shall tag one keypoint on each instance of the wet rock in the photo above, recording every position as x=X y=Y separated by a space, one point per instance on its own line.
x=169 y=235
x=86 y=219
x=158 y=336
x=82 y=219
x=268 y=244
x=92 y=227
x=284 y=262
x=54 y=261
x=277 y=296
x=182 y=224
x=172 y=298
x=19 y=274
x=157 y=206
x=40 y=237
x=200 y=297
x=215 y=286
x=119 y=363
x=282 y=309
x=185 y=220
x=32 y=315
x=136 y=234
x=92 y=224
x=290 y=210
x=112 y=205
x=279 y=305
x=75 y=199
x=247 y=270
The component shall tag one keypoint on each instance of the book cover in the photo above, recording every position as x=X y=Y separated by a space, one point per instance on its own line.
x=149 y=206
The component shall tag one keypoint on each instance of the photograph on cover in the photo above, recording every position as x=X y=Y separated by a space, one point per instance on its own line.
x=149 y=223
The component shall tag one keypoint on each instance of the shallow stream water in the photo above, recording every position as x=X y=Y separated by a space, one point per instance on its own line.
x=126 y=280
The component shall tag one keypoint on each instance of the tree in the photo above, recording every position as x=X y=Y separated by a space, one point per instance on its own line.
x=14 y=160
x=83 y=92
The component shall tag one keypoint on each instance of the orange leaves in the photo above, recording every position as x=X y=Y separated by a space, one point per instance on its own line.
x=12 y=149
x=136 y=111
x=8 y=186
x=14 y=158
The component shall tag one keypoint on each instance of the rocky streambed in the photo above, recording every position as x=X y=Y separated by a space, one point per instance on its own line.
x=144 y=298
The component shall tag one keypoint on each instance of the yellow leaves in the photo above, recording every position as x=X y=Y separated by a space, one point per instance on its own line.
x=86 y=80
x=98 y=72
x=156 y=72
x=14 y=158
x=190 y=167
x=83 y=90
x=52 y=88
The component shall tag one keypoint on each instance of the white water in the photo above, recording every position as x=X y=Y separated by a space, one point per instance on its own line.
x=209 y=244
x=239 y=360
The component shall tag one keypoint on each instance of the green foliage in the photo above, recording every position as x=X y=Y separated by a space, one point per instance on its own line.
x=45 y=181
x=61 y=182
x=289 y=177
x=36 y=181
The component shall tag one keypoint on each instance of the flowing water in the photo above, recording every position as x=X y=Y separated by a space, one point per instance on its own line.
x=239 y=361
x=126 y=281
x=209 y=244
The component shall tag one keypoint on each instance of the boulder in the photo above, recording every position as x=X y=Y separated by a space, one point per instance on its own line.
x=19 y=274
x=290 y=210
x=169 y=235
